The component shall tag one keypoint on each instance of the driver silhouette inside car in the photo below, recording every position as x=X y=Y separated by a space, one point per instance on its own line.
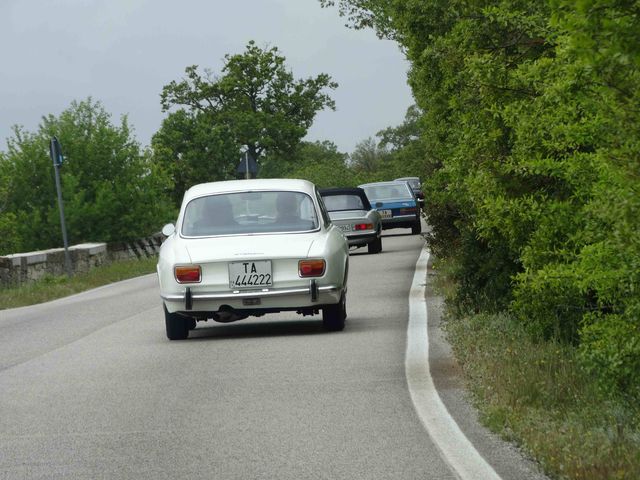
x=216 y=216
x=287 y=209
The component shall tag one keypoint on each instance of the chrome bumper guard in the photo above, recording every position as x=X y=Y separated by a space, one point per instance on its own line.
x=190 y=296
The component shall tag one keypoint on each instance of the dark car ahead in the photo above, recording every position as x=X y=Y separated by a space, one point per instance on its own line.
x=416 y=187
x=396 y=204
x=350 y=210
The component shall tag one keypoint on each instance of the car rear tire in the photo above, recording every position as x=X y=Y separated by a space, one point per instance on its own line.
x=177 y=325
x=416 y=228
x=334 y=316
x=375 y=246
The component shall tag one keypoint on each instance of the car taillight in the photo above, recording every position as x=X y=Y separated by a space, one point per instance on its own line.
x=311 y=268
x=406 y=211
x=188 y=274
x=363 y=226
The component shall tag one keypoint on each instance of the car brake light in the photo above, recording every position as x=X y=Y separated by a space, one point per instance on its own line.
x=188 y=274
x=311 y=268
x=363 y=226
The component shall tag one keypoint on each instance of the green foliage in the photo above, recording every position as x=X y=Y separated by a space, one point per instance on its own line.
x=529 y=142
x=8 y=222
x=192 y=149
x=11 y=242
x=366 y=14
x=368 y=157
x=539 y=395
x=111 y=189
x=395 y=152
x=318 y=162
x=610 y=350
x=405 y=147
x=322 y=164
x=254 y=104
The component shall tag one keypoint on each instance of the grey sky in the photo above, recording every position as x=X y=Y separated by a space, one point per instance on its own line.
x=122 y=52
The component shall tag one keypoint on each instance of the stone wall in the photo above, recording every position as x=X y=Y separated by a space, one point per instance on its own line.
x=20 y=268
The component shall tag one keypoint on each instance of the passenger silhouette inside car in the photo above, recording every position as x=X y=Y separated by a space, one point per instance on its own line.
x=216 y=215
x=287 y=208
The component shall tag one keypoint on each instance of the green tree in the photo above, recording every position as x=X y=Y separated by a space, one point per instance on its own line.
x=405 y=144
x=322 y=164
x=10 y=242
x=193 y=150
x=112 y=191
x=255 y=103
x=397 y=138
x=368 y=157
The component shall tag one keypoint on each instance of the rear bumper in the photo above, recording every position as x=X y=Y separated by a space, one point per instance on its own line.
x=400 y=221
x=311 y=296
x=355 y=239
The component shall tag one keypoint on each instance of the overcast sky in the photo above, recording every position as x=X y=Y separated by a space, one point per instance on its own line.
x=122 y=52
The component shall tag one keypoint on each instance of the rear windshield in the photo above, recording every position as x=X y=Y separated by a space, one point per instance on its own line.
x=397 y=191
x=343 y=202
x=249 y=212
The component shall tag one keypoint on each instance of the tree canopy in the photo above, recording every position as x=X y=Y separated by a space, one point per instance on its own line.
x=255 y=104
x=111 y=189
x=320 y=163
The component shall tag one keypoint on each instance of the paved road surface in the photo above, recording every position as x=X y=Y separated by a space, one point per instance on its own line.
x=90 y=388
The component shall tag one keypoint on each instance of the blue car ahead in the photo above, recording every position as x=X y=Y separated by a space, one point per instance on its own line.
x=396 y=204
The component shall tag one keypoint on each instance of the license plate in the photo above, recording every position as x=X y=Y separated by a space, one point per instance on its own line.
x=250 y=274
x=385 y=213
x=345 y=228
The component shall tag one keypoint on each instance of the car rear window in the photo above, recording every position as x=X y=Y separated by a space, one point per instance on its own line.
x=249 y=212
x=397 y=191
x=343 y=202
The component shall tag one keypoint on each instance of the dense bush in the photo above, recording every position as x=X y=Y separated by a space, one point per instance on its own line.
x=531 y=144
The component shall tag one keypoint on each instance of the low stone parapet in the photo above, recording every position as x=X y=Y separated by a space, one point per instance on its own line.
x=19 y=268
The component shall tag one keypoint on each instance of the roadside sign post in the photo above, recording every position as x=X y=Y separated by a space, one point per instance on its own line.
x=56 y=156
x=247 y=167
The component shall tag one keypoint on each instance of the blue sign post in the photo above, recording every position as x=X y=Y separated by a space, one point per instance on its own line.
x=56 y=156
x=247 y=168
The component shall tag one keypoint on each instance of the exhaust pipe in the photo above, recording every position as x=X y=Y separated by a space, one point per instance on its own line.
x=227 y=314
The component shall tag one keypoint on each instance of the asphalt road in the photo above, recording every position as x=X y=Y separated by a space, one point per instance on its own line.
x=90 y=388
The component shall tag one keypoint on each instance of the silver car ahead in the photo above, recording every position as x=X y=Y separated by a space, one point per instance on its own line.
x=350 y=210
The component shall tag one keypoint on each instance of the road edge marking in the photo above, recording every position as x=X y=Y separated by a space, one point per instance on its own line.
x=455 y=448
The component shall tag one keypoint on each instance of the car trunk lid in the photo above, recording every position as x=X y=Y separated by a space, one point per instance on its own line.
x=225 y=248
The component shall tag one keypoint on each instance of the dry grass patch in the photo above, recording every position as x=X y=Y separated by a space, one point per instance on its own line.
x=536 y=394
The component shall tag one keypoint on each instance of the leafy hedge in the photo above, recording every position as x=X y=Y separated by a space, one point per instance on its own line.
x=531 y=159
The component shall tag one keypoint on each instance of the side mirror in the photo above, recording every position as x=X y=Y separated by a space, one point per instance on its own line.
x=168 y=229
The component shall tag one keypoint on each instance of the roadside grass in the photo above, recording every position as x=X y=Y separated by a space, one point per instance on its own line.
x=536 y=395
x=50 y=288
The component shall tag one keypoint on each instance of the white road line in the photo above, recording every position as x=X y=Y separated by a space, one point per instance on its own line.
x=454 y=446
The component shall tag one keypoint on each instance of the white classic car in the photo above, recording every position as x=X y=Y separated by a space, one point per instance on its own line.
x=248 y=247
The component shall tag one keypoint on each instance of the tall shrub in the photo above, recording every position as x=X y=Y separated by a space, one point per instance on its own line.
x=111 y=189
